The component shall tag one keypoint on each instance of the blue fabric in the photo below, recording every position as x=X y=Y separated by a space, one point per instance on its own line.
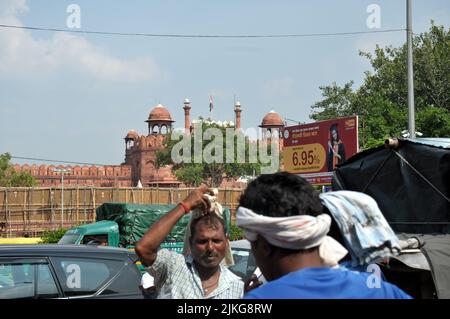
x=368 y=236
x=325 y=283
x=347 y=265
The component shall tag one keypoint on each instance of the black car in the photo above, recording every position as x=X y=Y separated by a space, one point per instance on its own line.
x=68 y=271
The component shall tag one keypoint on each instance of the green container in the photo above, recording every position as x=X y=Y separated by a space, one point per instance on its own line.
x=134 y=220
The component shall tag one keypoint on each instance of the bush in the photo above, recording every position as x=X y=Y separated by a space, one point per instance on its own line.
x=236 y=233
x=52 y=236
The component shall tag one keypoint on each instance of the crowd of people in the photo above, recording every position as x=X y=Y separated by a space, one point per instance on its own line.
x=299 y=238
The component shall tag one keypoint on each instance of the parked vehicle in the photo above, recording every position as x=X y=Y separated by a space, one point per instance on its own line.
x=68 y=272
x=244 y=261
x=122 y=225
x=409 y=179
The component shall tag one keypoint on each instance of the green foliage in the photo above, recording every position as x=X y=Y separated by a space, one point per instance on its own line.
x=337 y=102
x=435 y=121
x=212 y=174
x=52 y=236
x=236 y=233
x=10 y=178
x=190 y=174
x=381 y=101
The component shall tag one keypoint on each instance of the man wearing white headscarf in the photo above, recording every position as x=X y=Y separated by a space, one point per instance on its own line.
x=281 y=215
x=200 y=274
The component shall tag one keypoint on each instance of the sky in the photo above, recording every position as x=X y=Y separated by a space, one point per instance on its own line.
x=74 y=97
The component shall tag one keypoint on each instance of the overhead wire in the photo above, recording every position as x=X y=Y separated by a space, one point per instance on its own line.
x=7 y=26
x=58 y=161
x=199 y=35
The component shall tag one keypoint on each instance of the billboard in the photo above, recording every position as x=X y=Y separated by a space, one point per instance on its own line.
x=313 y=150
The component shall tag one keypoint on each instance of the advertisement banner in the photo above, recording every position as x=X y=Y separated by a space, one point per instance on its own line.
x=315 y=149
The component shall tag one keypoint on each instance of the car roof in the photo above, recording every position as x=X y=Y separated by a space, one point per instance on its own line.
x=53 y=249
x=90 y=229
x=240 y=244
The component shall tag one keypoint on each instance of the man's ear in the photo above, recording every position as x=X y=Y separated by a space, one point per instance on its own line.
x=264 y=247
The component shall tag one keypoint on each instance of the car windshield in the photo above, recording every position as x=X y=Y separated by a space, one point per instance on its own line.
x=68 y=239
x=244 y=263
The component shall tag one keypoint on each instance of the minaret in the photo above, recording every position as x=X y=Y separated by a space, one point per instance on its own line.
x=237 y=111
x=187 y=120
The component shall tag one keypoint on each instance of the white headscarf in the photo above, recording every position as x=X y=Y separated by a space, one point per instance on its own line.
x=147 y=281
x=293 y=232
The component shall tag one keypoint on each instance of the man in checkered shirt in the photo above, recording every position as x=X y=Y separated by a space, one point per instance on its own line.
x=200 y=274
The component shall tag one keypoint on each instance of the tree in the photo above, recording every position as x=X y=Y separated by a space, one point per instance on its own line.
x=337 y=103
x=434 y=120
x=381 y=101
x=52 y=236
x=10 y=178
x=222 y=162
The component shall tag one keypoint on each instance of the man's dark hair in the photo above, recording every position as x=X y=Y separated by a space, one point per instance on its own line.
x=281 y=195
x=210 y=220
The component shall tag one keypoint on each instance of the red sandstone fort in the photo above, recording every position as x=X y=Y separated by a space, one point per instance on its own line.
x=140 y=167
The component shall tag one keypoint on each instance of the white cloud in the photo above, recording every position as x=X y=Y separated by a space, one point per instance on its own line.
x=23 y=55
x=12 y=7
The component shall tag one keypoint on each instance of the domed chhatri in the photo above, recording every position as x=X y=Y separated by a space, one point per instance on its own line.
x=272 y=119
x=159 y=121
x=159 y=113
x=132 y=135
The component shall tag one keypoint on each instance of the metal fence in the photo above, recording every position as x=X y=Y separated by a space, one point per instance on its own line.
x=31 y=211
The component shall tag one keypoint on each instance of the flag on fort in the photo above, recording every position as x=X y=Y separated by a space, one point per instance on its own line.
x=211 y=106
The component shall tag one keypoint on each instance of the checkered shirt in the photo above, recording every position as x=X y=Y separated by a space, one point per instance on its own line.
x=176 y=278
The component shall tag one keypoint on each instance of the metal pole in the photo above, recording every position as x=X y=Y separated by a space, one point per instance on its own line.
x=411 y=115
x=62 y=199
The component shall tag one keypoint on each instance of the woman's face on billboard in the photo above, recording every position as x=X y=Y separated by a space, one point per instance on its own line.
x=334 y=134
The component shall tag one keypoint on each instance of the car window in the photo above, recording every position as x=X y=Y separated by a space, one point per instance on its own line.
x=16 y=281
x=68 y=239
x=46 y=286
x=244 y=264
x=101 y=240
x=127 y=283
x=22 y=280
x=82 y=276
